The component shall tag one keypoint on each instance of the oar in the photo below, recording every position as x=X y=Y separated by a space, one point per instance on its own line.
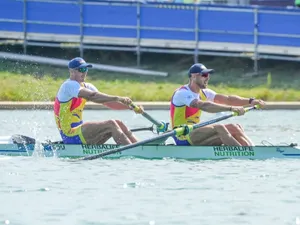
x=142 y=129
x=178 y=131
x=160 y=126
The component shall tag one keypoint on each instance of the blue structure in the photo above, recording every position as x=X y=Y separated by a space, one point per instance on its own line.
x=254 y=32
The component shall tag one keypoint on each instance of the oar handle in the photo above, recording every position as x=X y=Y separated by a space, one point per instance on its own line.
x=161 y=126
x=247 y=109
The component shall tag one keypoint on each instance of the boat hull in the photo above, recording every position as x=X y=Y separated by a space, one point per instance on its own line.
x=152 y=151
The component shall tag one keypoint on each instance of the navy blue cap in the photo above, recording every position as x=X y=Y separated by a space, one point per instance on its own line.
x=78 y=63
x=199 y=68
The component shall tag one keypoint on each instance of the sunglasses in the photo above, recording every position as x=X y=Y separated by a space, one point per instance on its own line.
x=82 y=69
x=204 y=75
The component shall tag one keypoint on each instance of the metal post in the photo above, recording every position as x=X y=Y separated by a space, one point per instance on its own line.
x=81 y=28
x=138 y=34
x=196 y=52
x=25 y=27
x=256 y=54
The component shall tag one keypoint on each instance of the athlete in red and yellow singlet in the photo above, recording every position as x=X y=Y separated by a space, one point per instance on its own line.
x=70 y=102
x=182 y=114
x=68 y=111
x=191 y=99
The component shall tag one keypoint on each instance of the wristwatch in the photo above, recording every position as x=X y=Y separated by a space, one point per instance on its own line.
x=250 y=100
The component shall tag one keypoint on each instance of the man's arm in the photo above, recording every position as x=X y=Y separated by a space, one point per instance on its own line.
x=210 y=107
x=116 y=105
x=233 y=100
x=98 y=97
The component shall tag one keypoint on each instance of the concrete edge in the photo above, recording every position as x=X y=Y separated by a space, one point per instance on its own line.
x=8 y=105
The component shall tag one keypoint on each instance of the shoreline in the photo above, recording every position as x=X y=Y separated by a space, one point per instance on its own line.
x=9 y=105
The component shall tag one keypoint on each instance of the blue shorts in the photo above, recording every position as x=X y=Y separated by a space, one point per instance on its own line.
x=76 y=139
x=181 y=142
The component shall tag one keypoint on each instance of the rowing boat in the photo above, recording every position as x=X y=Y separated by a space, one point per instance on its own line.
x=152 y=148
x=20 y=145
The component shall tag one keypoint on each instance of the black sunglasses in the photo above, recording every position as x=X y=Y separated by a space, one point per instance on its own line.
x=203 y=74
x=82 y=69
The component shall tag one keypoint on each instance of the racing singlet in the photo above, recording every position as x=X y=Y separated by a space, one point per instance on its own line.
x=182 y=114
x=68 y=109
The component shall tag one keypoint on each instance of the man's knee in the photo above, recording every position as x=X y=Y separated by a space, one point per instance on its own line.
x=113 y=124
x=119 y=122
x=236 y=128
x=221 y=129
x=240 y=127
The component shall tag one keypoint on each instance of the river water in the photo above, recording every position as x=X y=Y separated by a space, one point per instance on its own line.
x=36 y=190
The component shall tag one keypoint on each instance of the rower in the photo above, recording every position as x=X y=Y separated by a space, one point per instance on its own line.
x=69 y=105
x=189 y=100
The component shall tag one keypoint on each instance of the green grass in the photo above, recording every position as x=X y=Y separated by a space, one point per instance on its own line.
x=17 y=87
x=35 y=82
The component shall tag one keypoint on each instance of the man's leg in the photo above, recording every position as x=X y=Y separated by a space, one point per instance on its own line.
x=212 y=135
x=238 y=133
x=100 y=132
x=214 y=140
x=126 y=131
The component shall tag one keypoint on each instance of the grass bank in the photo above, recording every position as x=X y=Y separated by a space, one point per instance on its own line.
x=34 y=82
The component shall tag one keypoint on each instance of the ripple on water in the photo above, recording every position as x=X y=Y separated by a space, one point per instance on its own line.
x=138 y=185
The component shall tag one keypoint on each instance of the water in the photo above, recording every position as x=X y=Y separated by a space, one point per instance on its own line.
x=273 y=126
x=39 y=190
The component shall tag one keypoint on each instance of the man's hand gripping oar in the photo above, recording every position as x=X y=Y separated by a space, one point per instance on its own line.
x=178 y=131
x=160 y=126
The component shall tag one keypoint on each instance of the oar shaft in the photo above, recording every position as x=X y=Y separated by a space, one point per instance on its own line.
x=161 y=127
x=147 y=116
x=181 y=130
x=151 y=119
x=141 y=129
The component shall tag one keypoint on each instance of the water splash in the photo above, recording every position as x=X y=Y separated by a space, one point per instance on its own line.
x=38 y=150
